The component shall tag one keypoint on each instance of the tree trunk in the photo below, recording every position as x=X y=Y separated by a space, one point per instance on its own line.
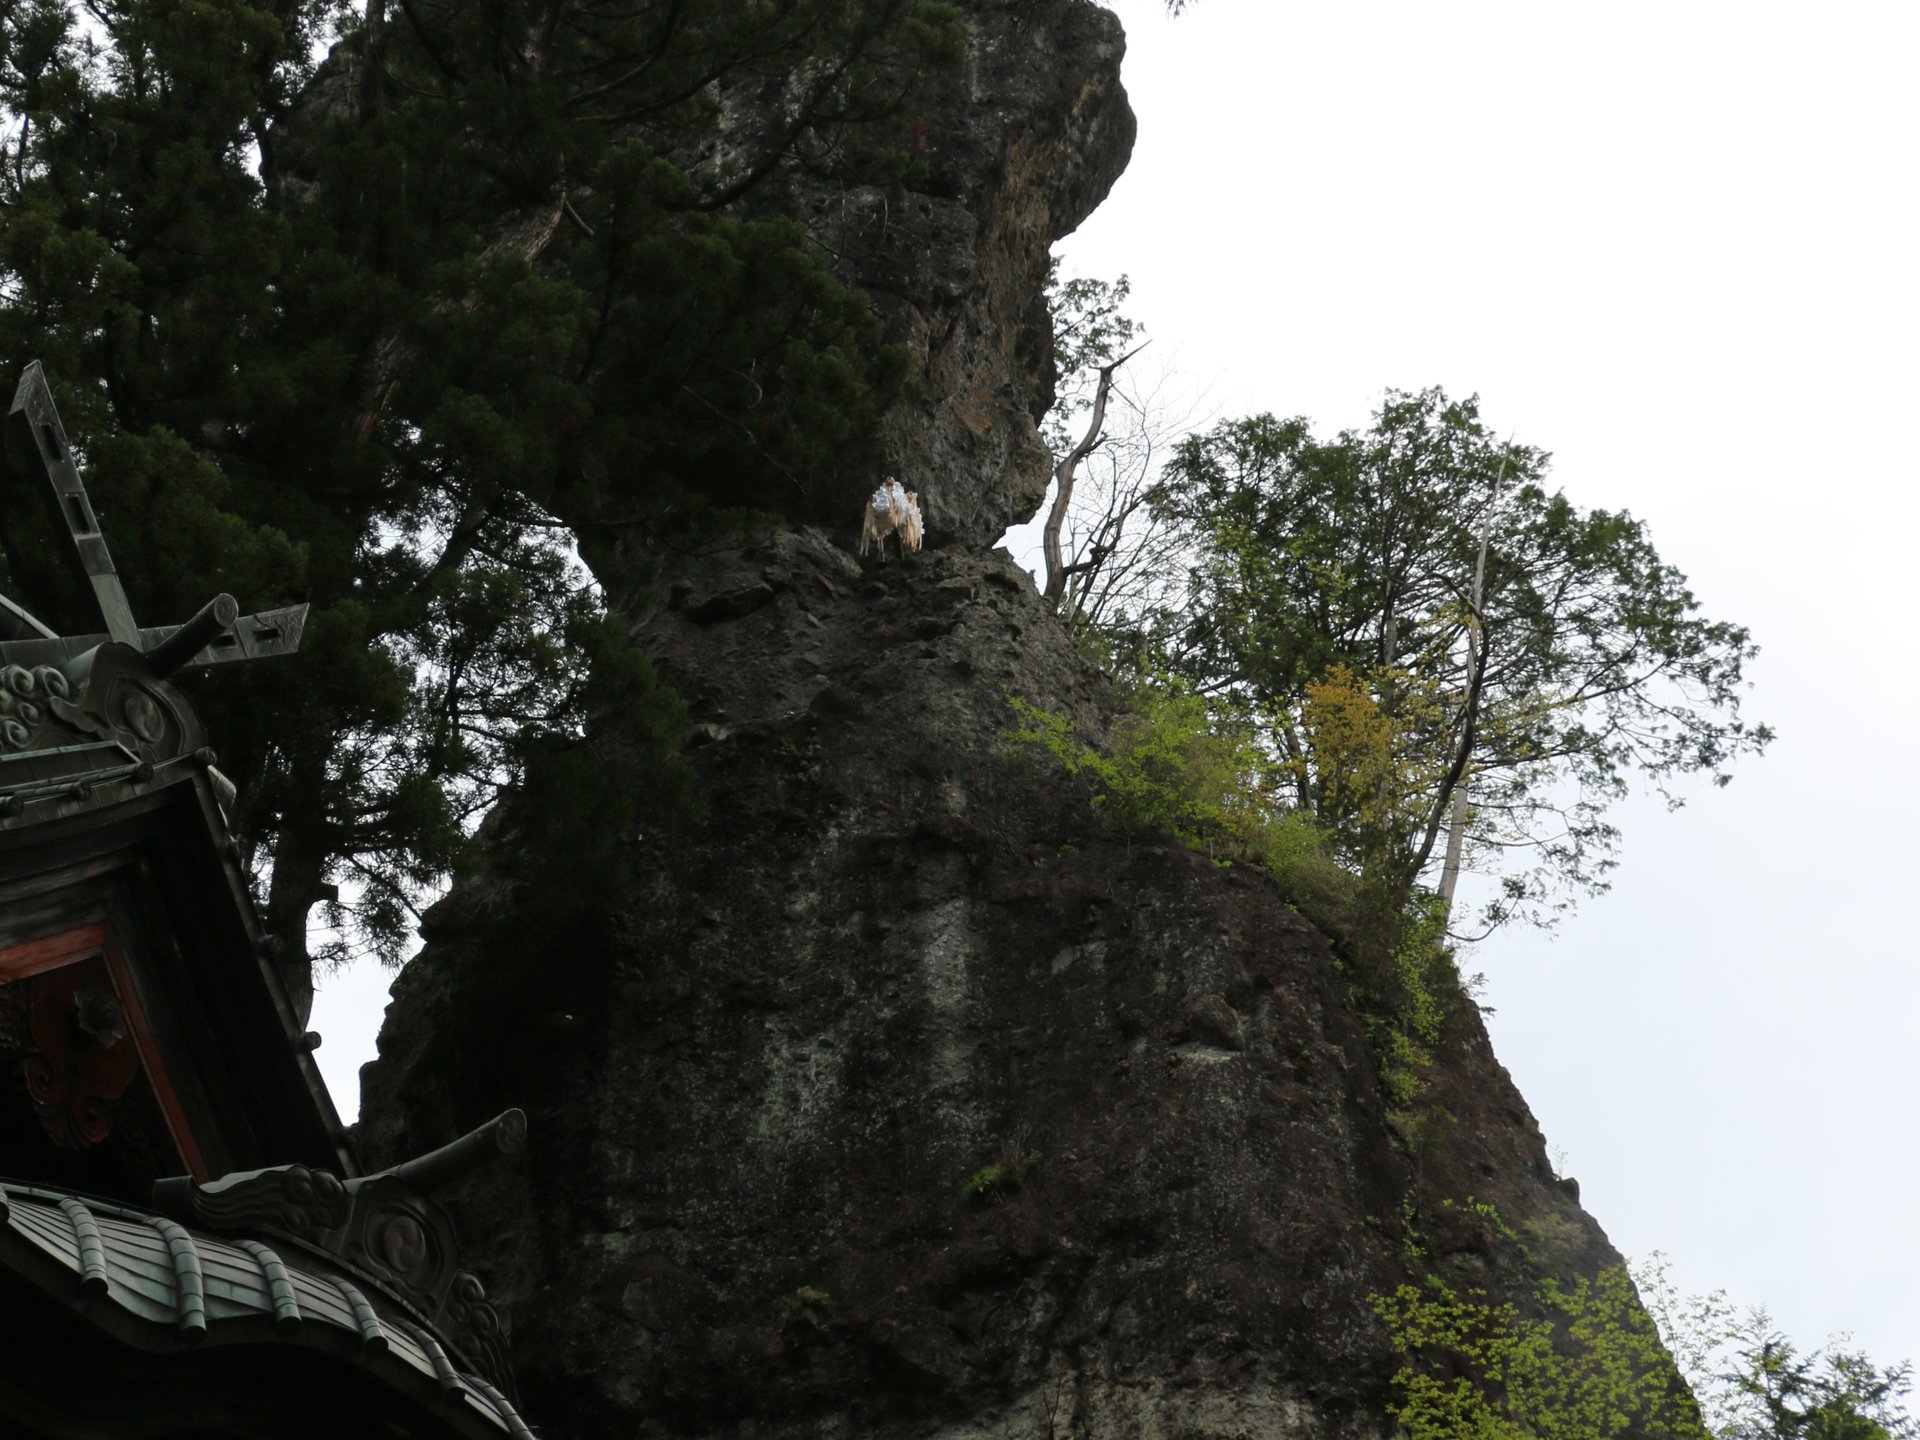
x=1063 y=474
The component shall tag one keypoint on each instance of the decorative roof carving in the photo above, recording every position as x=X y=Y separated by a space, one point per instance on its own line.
x=24 y=697
x=288 y=1199
x=386 y=1227
x=82 y=1060
x=288 y=1253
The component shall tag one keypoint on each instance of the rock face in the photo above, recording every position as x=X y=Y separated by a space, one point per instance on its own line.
x=885 y=1100
x=1029 y=140
x=883 y=1097
x=1020 y=145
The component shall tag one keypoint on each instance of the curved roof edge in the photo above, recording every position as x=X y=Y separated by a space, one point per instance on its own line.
x=160 y=1287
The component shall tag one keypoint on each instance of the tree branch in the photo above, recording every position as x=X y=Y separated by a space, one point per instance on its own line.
x=1063 y=474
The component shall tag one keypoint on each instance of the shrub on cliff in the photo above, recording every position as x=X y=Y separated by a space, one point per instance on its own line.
x=1176 y=769
x=1592 y=1369
x=1169 y=771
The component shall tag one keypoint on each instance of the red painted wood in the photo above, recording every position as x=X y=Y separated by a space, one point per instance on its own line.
x=170 y=1107
x=78 y=1073
x=76 y=1080
x=50 y=952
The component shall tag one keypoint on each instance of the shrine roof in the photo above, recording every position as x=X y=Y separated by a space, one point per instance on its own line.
x=161 y=1287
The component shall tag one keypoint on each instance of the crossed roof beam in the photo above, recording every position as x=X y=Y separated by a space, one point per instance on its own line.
x=218 y=635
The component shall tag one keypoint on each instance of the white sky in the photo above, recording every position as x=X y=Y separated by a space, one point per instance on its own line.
x=1675 y=244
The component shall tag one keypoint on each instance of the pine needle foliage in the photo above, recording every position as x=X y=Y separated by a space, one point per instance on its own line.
x=403 y=310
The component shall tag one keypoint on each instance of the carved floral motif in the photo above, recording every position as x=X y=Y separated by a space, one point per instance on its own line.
x=473 y=1326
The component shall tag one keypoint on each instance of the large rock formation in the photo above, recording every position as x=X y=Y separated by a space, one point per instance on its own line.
x=869 y=1104
x=883 y=1097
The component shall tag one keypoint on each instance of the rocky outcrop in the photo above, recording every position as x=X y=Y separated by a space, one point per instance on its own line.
x=1025 y=143
x=882 y=1096
x=1017 y=146
x=887 y=1099
x=1009 y=150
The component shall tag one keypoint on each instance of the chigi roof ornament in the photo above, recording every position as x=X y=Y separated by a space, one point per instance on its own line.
x=218 y=635
x=173 y=1176
x=79 y=713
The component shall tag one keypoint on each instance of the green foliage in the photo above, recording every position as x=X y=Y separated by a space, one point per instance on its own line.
x=590 y=793
x=1422 y=1127
x=1088 y=326
x=1089 y=330
x=1487 y=1211
x=1004 y=1175
x=807 y=1306
x=392 y=331
x=1592 y=1369
x=1174 y=768
x=990 y=1182
x=1330 y=591
x=1168 y=771
x=1295 y=852
x=1404 y=978
x=1753 y=1383
x=1837 y=1394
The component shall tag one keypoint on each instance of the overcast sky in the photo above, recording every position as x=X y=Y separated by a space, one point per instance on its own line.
x=1674 y=244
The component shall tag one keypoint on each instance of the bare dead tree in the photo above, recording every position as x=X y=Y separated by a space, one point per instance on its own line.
x=1124 y=558
x=1065 y=471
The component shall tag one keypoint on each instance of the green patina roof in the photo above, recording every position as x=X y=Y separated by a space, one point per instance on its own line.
x=156 y=1285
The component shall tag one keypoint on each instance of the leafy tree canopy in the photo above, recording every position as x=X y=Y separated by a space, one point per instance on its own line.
x=1331 y=590
x=1090 y=329
x=1779 y=1393
x=1754 y=1383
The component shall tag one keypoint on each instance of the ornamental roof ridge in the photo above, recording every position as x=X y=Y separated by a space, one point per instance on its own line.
x=163 y=1286
x=385 y=1228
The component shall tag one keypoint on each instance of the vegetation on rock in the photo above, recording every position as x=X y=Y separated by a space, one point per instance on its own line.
x=1333 y=593
x=404 y=332
x=1176 y=768
x=1370 y=641
x=1591 y=1367
x=1595 y=1360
